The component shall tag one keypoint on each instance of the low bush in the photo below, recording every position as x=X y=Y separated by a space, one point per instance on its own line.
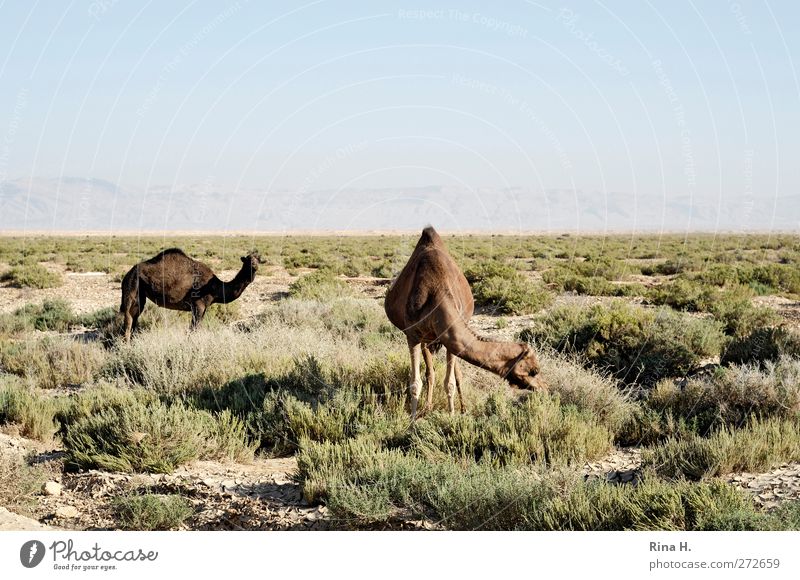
x=135 y=435
x=506 y=291
x=31 y=275
x=681 y=294
x=596 y=286
x=34 y=415
x=731 y=306
x=365 y=486
x=634 y=344
x=52 y=362
x=601 y=396
x=321 y=285
x=759 y=446
x=729 y=397
x=54 y=315
x=669 y=267
x=151 y=511
x=535 y=430
x=761 y=346
x=19 y=482
x=772 y=277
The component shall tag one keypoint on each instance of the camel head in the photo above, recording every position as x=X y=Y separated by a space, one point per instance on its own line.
x=250 y=264
x=525 y=372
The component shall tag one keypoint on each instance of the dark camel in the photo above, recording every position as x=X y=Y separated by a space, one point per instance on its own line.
x=174 y=280
x=431 y=302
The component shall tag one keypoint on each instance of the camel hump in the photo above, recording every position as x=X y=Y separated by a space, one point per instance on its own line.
x=429 y=236
x=167 y=252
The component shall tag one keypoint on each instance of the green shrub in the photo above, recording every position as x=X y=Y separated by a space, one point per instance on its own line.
x=365 y=486
x=588 y=390
x=321 y=285
x=31 y=275
x=596 y=286
x=632 y=343
x=52 y=362
x=20 y=405
x=151 y=512
x=136 y=436
x=669 y=268
x=537 y=430
x=99 y=319
x=681 y=294
x=762 y=345
x=54 y=315
x=774 y=277
x=760 y=446
x=505 y=290
x=19 y=482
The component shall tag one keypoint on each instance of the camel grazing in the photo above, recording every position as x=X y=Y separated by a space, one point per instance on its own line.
x=174 y=280
x=431 y=302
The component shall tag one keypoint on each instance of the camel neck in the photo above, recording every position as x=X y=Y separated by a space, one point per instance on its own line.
x=495 y=356
x=230 y=291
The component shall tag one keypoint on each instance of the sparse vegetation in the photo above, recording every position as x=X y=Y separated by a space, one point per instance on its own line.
x=320 y=285
x=134 y=434
x=634 y=344
x=761 y=346
x=759 y=446
x=322 y=374
x=19 y=482
x=151 y=511
x=364 y=486
x=31 y=275
x=505 y=291
x=20 y=405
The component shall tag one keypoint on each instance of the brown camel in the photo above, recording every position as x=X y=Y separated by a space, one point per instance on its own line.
x=174 y=280
x=431 y=302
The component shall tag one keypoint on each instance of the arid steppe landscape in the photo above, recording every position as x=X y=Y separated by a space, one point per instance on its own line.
x=673 y=365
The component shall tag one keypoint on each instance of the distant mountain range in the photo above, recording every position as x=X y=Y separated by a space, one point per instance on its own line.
x=77 y=204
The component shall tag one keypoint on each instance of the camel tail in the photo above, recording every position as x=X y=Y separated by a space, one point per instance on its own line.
x=130 y=289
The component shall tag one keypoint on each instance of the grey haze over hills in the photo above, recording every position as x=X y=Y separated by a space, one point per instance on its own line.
x=77 y=204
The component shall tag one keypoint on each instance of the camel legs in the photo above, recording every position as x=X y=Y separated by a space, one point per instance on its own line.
x=415 y=384
x=457 y=370
x=430 y=376
x=133 y=308
x=198 y=311
x=450 y=381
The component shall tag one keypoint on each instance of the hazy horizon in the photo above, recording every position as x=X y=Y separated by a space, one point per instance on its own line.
x=356 y=116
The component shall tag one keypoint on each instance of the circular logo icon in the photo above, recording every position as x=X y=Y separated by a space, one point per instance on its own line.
x=31 y=553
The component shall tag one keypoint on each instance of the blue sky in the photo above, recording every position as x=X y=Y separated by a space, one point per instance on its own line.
x=646 y=98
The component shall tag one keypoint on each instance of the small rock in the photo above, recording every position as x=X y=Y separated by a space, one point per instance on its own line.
x=52 y=488
x=67 y=511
